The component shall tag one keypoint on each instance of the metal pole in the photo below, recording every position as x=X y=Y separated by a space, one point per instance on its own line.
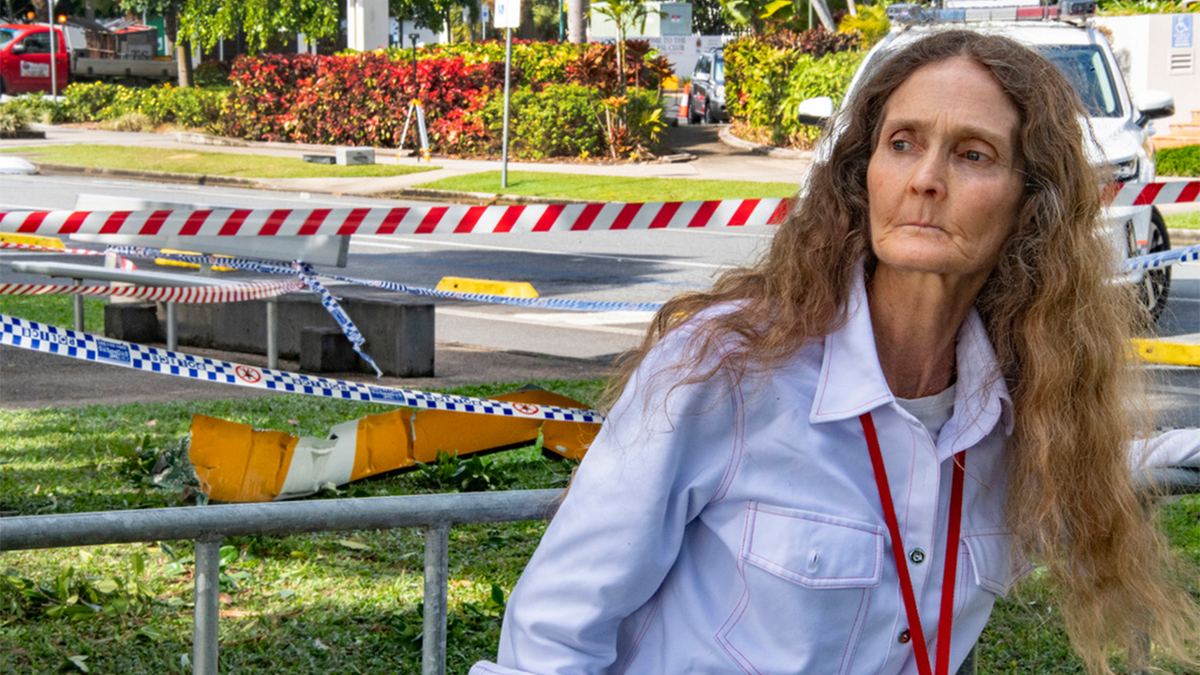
x=437 y=572
x=507 y=84
x=172 y=333
x=53 y=54
x=208 y=597
x=78 y=304
x=272 y=332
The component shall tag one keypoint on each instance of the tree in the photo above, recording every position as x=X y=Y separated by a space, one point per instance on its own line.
x=208 y=21
x=625 y=14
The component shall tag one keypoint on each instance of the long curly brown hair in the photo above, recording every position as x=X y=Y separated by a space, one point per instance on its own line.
x=1059 y=326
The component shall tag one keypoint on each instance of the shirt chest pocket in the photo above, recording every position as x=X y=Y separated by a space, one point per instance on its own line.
x=808 y=579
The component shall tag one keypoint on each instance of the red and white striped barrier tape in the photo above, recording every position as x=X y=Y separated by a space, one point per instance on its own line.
x=186 y=294
x=1145 y=194
x=467 y=219
x=402 y=221
x=124 y=263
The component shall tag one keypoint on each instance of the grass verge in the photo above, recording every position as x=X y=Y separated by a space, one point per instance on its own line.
x=1183 y=221
x=610 y=188
x=206 y=163
x=56 y=310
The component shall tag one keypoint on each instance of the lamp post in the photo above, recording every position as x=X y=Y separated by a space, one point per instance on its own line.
x=53 y=54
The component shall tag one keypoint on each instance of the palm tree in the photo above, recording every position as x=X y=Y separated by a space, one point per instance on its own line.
x=625 y=14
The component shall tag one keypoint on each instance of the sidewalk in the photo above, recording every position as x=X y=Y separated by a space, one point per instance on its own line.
x=713 y=160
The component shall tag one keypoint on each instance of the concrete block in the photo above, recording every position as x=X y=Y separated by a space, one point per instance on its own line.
x=399 y=329
x=355 y=156
x=326 y=350
x=132 y=322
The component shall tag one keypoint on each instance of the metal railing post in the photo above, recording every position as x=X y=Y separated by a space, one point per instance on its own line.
x=208 y=598
x=77 y=303
x=437 y=572
x=172 y=333
x=272 y=332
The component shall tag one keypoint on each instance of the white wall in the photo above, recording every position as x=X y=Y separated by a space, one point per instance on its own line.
x=679 y=50
x=1153 y=57
x=366 y=24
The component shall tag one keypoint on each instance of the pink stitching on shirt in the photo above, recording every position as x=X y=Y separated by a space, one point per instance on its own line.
x=739 y=610
x=739 y=433
x=847 y=652
x=749 y=553
x=637 y=642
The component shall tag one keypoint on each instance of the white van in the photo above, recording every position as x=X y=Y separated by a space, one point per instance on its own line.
x=1121 y=122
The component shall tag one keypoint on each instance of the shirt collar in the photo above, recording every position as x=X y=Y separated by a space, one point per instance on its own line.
x=852 y=382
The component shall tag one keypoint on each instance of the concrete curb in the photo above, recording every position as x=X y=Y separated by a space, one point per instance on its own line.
x=728 y=138
x=136 y=174
x=478 y=198
x=1180 y=237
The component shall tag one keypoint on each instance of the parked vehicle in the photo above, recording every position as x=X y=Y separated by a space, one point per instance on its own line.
x=80 y=54
x=706 y=98
x=1121 y=122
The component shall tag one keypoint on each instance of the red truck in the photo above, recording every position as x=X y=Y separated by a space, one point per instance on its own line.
x=25 y=59
x=81 y=54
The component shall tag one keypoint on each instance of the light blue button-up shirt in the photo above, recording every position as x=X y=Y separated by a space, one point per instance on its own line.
x=715 y=528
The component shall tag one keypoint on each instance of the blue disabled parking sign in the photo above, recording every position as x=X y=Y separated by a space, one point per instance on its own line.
x=1181 y=31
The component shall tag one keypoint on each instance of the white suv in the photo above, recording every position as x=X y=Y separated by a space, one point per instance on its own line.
x=1121 y=124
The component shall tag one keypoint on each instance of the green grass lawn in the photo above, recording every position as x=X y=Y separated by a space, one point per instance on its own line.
x=1188 y=221
x=610 y=188
x=206 y=163
x=56 y=310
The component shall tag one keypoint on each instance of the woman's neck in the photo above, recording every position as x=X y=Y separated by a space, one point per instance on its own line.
x=916 y=317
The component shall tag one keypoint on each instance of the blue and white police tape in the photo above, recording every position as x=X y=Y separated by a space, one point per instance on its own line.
x=35 y=336
x=1162 y=259
x=539 y=303
x=330 y=303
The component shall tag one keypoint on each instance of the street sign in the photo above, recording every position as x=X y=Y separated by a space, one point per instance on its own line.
x=508 y=13
x=487 y=14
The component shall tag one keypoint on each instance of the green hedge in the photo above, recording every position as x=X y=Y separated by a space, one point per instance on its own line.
x=1183 y=161
x=188 y=107
x=766 y=80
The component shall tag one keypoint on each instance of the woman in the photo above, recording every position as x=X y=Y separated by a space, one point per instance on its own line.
x=930 y=358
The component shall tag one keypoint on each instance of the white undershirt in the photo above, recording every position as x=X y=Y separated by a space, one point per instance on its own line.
x=931 y=411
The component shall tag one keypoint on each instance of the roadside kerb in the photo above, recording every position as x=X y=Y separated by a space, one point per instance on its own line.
x=50 y=168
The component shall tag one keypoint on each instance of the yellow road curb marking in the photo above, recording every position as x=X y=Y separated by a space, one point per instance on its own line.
x=31 y=240
x=1170 y=353
x=508 y=289
x=180 y=263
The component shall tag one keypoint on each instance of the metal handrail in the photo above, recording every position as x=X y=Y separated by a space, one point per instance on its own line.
x=208 y=525
x=435 y=513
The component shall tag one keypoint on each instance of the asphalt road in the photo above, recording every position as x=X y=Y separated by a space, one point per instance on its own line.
x=625 y=266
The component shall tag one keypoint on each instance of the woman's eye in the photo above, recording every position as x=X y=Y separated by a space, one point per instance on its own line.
x=974 y=156
x=900 y=146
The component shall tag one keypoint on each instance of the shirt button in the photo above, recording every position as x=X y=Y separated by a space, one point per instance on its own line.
x=905 y=636
x=917 y=556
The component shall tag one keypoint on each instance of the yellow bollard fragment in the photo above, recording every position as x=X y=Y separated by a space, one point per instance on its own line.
x=236 y=463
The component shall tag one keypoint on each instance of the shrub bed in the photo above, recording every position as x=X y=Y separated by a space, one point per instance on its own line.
x=1183 y=161
x=567 y=100
x=768 y=77
x=100 y=101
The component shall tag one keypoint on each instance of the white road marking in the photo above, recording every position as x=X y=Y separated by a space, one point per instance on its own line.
x=373 y=239
x=549 y=319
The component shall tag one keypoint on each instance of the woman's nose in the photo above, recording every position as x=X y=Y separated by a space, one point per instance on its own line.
x=929 y=175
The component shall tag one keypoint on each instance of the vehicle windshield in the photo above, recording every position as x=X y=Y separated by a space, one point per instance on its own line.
x=1087 y=71
x=6 y=36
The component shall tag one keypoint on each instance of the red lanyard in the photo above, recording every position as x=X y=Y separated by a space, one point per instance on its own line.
x=906 y=588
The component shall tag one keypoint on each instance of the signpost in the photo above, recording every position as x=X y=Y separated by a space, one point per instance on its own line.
x=508 y=17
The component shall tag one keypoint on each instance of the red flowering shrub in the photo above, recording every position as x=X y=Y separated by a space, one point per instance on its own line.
x=359 y=99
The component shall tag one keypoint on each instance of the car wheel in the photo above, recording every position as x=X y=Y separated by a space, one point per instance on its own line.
x=693 y=113
x=1156 y=283
x=710 y=116
x=3 y=86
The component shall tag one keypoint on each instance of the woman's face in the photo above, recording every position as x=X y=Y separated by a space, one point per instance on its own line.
x=943 y=184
